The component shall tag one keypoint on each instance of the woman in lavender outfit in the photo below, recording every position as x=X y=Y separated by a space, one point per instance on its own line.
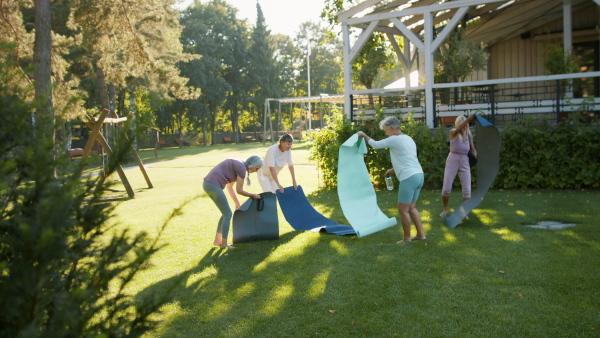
x=461 y=141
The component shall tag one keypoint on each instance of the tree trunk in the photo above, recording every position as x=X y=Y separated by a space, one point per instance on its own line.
x=42 y=51
x=102 y=88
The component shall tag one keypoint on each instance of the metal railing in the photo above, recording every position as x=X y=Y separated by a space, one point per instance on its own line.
x=502 y=101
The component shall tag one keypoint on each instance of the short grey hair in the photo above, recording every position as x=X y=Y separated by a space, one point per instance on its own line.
x=389 y=122
x=286 y=138
x=251 y=162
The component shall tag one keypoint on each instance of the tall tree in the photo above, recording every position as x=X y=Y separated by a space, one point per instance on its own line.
x=42 y=50
x=325 y=60
x=236 y=74
x=262 y=74
x=211 y=30
x=372 y=58
x=128 y=40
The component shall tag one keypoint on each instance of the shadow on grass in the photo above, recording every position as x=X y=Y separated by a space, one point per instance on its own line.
x=489 y=276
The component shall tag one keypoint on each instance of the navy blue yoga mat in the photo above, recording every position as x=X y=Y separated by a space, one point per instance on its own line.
x=301 y=215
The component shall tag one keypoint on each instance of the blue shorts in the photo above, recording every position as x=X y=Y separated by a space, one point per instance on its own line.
x=410 y=188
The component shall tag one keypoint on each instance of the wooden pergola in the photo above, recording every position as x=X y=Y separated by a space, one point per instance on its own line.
x=415 y=21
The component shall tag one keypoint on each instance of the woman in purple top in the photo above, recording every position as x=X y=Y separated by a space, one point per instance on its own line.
x=225 y=174
x=461 y=141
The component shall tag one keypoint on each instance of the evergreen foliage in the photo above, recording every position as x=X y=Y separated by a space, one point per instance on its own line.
x=64 y=269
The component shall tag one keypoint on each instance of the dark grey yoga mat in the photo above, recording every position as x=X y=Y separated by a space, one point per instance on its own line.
x=256 y=220
x=488 y=165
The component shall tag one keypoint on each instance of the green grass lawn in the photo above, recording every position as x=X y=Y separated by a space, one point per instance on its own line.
x=490 y=276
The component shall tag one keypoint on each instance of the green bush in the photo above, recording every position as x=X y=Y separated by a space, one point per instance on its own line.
x=432 y=148
x=64 y=269
x=534 y=153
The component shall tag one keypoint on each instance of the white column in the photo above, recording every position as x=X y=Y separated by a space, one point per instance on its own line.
x=407 y=65
x=428 y=29
x=347 y=69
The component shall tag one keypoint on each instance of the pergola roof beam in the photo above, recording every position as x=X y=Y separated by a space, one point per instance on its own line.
x=408 y=33
x=356 y=9
x=448 y=29
x=362 y=39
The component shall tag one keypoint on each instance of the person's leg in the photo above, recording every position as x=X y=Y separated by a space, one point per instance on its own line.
x=449 y=175
x=403 y=209
x=416 y=218
x=218 y=196
x=409 y=190
x=464 y=172
x=417 y=180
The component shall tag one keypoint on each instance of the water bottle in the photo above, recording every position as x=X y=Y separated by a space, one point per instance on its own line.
x=389 y=183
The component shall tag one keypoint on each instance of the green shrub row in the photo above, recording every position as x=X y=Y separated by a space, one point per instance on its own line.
x=534 y=153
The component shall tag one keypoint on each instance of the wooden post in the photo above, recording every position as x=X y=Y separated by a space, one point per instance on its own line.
x=92 y=124
x=138 y=160
x=95 y=130
x=157 y=140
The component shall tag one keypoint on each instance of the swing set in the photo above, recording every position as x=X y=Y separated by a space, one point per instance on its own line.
x=101 y=130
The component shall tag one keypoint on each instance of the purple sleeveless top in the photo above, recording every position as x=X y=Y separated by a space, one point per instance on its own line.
x=226 y=172
x=457 y=146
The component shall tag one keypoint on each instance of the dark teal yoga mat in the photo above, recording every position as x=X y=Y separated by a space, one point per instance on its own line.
x=488 y=165
x=256 y=220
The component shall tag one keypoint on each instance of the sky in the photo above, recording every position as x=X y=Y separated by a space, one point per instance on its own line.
x=281 y=16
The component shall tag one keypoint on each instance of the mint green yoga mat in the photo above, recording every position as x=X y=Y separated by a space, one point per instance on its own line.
x=356 y=192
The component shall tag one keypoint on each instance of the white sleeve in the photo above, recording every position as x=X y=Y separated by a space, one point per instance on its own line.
x=379 y=144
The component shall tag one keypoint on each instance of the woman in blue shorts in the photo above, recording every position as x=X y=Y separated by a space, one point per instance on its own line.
x=407 y=168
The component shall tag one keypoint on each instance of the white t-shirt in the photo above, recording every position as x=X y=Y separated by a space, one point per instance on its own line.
x=275 y=158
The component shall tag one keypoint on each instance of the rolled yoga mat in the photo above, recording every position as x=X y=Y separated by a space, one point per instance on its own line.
x=301 y=215
x=356 y=192
x=488 y=165
x=256 y=220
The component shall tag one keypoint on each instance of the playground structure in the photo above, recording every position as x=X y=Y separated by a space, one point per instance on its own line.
x=97 y=134
x=309 y=119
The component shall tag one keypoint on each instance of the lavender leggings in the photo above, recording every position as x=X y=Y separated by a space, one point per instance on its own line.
x=457 y=163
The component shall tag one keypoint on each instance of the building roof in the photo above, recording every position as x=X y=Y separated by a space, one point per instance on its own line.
x=492 y=20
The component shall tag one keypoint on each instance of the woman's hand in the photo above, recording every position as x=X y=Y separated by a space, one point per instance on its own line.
x=361 y=134
x=255 y=196
x=390 y=172
x=280 y=188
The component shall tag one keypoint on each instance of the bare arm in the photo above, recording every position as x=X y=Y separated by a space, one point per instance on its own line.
x=291 y=167
x=232 y=194
x=274 y=175
x=239 y=187
x=461 y=126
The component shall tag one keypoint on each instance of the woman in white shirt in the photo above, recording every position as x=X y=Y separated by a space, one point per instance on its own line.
x=277 y=156
x=407 y=168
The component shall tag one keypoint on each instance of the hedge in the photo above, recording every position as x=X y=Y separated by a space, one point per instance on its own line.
x=534 y=153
